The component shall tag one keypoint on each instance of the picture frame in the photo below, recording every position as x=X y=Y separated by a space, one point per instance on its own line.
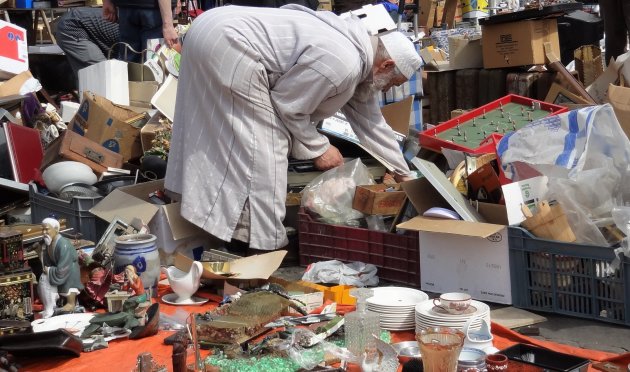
x=559 y=95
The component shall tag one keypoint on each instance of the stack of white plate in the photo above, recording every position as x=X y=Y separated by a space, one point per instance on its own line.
x=429 y=315
x=396 y=306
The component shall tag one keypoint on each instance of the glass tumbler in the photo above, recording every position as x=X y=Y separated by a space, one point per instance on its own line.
x=440 y=348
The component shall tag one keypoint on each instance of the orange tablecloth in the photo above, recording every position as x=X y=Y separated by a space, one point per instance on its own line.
x=122 y=354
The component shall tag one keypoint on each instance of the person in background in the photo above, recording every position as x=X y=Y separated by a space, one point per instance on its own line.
x=616 y=15
x=251 y=94
x=85 y=37
x=141 y=20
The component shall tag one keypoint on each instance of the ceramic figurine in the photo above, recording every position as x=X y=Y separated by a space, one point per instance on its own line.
x=133 y=284
x=61 y=264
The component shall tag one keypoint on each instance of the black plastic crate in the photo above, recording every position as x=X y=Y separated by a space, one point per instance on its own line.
x=76 y=212
x=568 y=278
x=397 y=256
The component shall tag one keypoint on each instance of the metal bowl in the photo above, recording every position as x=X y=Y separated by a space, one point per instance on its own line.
x=407 y=350
x=217 y=267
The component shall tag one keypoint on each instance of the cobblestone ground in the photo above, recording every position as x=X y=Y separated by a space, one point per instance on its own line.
x=558 y=328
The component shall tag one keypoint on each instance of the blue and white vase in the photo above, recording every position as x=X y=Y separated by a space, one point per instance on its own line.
x=139 y=250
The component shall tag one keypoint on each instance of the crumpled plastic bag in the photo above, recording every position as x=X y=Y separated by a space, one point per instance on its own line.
x=358 y=274
x=330 y=194
x=585 y=154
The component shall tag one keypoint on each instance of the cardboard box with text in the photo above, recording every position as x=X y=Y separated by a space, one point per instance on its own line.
x=518 y=43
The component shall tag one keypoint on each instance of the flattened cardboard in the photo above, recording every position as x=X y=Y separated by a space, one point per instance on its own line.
x=397 y=115
x=260 y=266
x=10 y=89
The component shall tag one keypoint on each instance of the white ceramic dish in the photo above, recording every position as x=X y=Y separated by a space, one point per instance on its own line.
x=394 y=297
x=172 y=298
x=64 y=173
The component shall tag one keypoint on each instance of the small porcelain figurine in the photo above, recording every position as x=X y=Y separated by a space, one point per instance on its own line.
x=133 y=284
x=61 y=265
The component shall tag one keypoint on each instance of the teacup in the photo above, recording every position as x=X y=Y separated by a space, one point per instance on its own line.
x=454 y=302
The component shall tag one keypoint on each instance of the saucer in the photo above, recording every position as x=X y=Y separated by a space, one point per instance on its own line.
x=438 y=310
x=171 y=299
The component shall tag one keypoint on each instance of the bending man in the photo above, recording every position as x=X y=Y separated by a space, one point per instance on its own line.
x=253 y=83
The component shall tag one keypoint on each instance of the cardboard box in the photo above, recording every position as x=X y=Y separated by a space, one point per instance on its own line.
x=460 y=256
x=13 y=50
x=619 y=98
x=518 y=43
x=373 y=199
x=310 y=297
x=464 y=52
x=173 y=232
x=149 y=130
x=113 y=126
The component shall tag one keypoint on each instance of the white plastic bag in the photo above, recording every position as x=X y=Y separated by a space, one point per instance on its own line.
x=584 y=153
x=330 y=194
x=358 y=274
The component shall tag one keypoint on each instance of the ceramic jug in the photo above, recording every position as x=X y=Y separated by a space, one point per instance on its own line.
x=481 y=338
x=139 y=250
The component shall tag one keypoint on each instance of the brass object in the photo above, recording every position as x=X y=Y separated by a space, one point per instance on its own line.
x=217 y=267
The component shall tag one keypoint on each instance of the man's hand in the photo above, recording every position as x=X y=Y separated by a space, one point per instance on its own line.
x=109 y=11
x=170 y=35
x=329 y=159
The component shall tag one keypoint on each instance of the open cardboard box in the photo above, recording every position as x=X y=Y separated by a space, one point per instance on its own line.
x=460 y=256
x=173 y=232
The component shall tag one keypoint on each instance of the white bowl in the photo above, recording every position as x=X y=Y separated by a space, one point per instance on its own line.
x=64 y=173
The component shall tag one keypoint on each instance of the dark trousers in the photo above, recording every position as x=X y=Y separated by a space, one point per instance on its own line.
x=136 y=27
x=616 y=15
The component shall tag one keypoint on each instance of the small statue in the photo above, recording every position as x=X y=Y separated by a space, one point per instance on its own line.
x=133 y=284
x=61 y=268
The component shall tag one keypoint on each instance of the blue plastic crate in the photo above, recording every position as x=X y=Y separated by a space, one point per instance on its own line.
x=568 y=278
x=76 y=212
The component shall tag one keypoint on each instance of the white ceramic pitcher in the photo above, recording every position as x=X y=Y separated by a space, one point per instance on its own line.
x=480 y=339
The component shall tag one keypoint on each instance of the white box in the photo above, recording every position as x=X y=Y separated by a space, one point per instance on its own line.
x=13 y=50
x=458 y=263
x=460 y=256
x=109 y=79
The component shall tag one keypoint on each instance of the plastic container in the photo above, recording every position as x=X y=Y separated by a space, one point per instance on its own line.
x=76 y=212
x=568 y=278
x=397 y=256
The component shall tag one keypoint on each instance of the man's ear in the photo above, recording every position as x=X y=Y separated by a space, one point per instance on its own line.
x=387 y=65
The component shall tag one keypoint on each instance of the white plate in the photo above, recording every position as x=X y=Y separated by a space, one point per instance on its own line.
x=171 y=299
x=396 y=297
x=425 y=309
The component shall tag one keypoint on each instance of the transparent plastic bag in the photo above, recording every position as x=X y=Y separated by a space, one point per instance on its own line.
x=330 y=194
x=358 y=274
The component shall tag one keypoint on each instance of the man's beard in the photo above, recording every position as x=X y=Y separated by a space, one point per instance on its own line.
x=366 y=90
x=47 y=239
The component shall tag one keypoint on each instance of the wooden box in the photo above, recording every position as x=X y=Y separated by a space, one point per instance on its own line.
x=16 y=295
x=378 y=199
x=73 y=146
x=11 y=251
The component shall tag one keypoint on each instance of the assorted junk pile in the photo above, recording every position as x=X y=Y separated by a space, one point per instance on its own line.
x=521 y=161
